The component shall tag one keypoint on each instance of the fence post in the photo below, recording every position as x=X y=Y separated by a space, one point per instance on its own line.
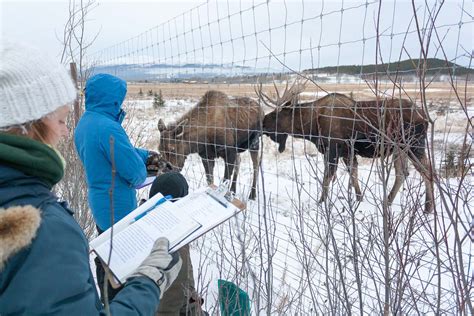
x=77 y=110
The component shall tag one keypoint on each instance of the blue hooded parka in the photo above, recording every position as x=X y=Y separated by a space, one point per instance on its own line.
x=100 y=141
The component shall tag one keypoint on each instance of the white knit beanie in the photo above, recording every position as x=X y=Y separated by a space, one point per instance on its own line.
x=31 y=84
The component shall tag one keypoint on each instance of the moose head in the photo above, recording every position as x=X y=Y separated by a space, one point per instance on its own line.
x=273 y=127
x=173 y=143
x=277 y=123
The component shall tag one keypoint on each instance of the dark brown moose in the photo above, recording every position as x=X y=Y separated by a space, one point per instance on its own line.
x=340 y=127
x=218 y=126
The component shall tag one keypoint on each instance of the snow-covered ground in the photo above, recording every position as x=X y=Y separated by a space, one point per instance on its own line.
x=294 y=255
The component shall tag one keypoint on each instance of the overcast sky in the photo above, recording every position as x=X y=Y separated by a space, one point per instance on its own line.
x=41 y=23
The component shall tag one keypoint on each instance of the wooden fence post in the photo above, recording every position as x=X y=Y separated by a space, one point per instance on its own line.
x=77 y=110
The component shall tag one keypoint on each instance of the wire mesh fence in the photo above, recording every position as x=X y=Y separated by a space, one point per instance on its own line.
x=318 y=236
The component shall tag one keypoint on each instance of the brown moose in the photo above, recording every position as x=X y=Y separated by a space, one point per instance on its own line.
x=340 y=127
x=218 y=126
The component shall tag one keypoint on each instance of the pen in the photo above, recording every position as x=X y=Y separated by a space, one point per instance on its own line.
x=160 y=201
x=217 y=199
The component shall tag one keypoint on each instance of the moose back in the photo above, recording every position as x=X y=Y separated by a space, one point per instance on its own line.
x=340 y=127
x=218 y=126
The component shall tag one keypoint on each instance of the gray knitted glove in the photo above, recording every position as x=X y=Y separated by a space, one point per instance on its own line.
x=160 y=266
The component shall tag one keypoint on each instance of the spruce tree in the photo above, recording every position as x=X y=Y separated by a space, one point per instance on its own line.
x=158 y=100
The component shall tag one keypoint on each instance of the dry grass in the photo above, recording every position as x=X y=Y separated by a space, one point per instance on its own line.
x=436 y=91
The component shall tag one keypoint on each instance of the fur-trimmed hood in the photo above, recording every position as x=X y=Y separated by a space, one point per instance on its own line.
x=18 y=227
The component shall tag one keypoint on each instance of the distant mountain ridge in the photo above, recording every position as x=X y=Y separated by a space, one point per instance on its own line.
x=166 y=66
x=435 y=66
x=173 y=72
x=163 y=72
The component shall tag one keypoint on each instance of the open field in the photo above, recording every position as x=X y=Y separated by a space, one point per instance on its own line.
x=436 y=91
x=302 y=257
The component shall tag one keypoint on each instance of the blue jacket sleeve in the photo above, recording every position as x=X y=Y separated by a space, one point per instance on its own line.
x=142 y=153
x=129 y=165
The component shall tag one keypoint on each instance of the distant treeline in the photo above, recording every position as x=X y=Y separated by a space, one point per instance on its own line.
x=435 y=66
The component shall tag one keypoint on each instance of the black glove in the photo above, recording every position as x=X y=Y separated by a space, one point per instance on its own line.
x=156 y=164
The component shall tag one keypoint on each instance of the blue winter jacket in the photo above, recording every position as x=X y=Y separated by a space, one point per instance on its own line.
x=99 y=134
x=44 y=266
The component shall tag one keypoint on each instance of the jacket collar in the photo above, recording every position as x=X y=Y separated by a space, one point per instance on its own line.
x=31 y=157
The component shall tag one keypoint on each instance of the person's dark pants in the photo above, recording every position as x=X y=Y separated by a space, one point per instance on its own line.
x=100 y=273
x=176 y=300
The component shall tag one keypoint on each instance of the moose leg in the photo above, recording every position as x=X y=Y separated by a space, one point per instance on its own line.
x=423 y=166
x=401 y=173
x=255 y=164
x=352 y=168
x=235 y=174
x=230 y=159
x=209 y=169
x=330 y=168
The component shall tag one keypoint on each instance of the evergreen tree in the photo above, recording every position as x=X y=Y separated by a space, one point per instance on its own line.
x=140 y=93
x=158 y=100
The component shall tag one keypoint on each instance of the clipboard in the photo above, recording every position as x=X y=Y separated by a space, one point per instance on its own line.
x=210 y=206
x=149 y=180
x=222 y=194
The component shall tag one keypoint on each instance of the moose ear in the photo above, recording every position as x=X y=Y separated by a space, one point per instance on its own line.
x=179 y=130
x=161 y=125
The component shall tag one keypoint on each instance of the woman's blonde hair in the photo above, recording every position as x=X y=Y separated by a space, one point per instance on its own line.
x=36 y=130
